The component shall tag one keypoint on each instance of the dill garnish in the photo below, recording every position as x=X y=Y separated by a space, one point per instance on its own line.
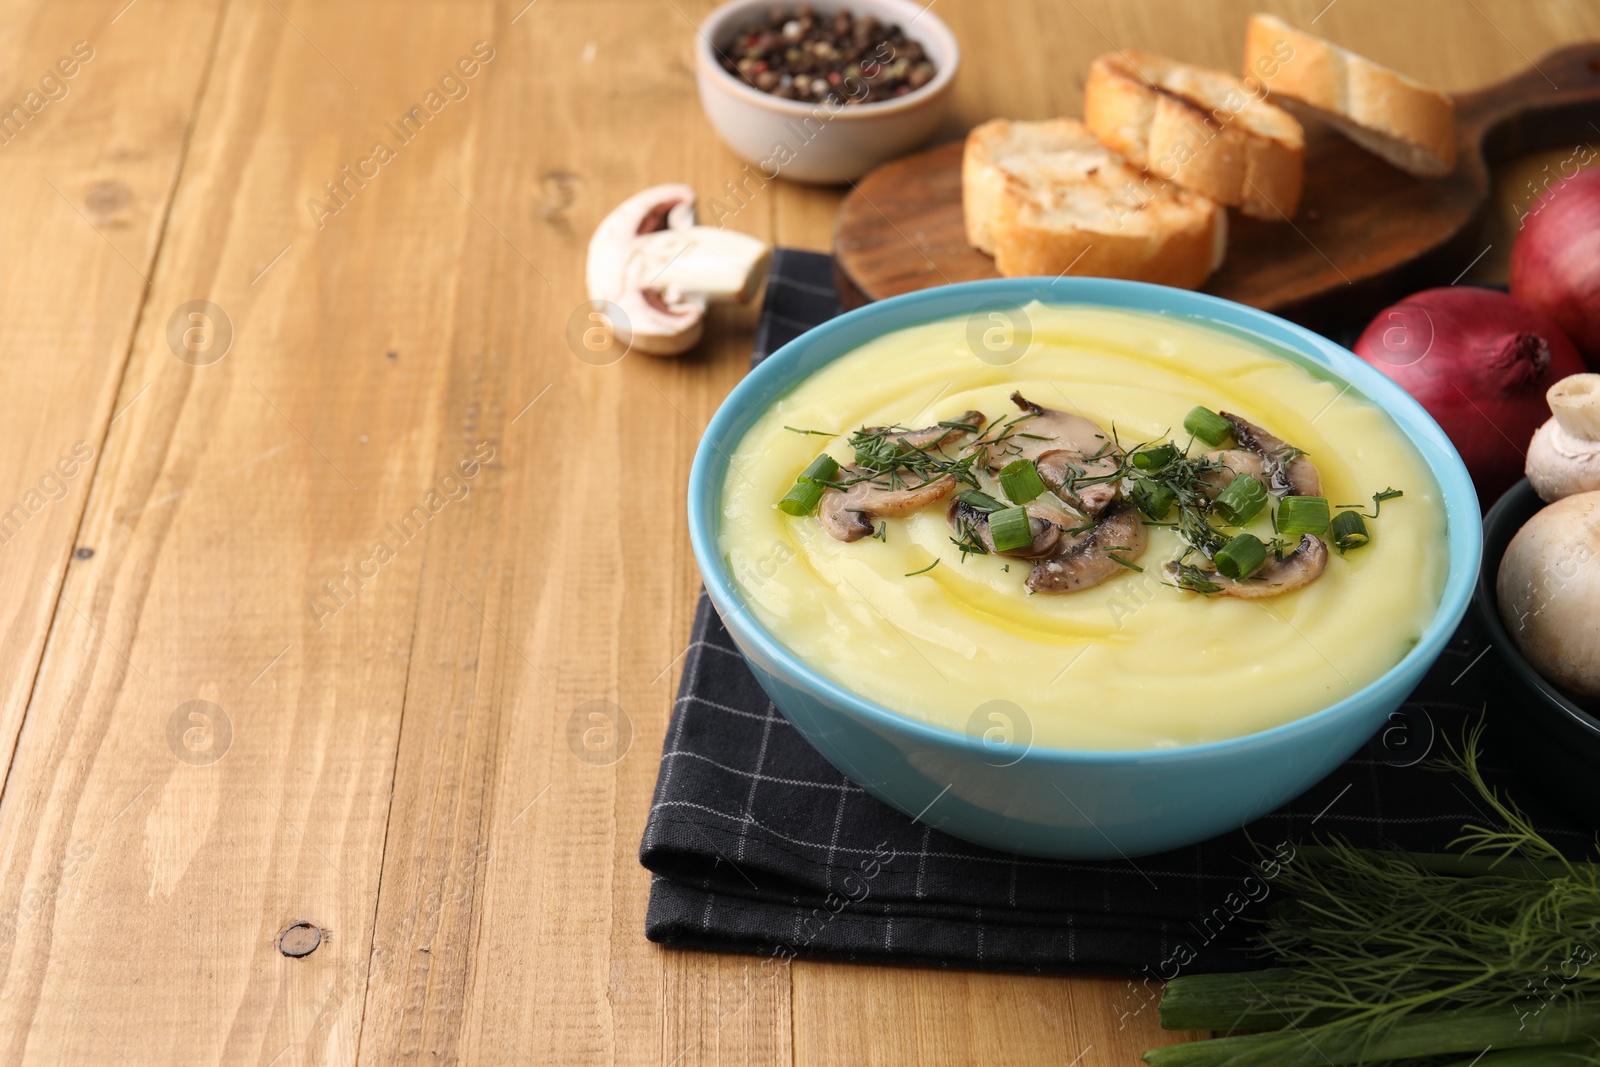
x=1188 y=576
x=924 y=570
x=890 y=461
x=1377 y=501
x=967 y=539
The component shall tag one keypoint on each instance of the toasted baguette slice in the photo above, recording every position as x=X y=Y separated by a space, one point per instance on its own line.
x=1201 y=129
x=1383 y=111
x=1042 y=197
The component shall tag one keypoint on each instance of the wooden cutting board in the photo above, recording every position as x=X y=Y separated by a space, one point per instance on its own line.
x=1365 y=233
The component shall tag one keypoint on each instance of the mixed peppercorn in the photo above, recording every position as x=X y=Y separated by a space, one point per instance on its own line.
x=801 y=55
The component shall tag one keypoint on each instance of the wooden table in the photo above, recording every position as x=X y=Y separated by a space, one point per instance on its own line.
x=225 y=714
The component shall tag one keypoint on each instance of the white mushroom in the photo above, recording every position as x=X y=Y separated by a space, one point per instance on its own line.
x=1085 y=561
x=1564 y=455
x=1548 y=586
x=650 y=259
x=1075 y=456
x=848 y=514
x=1281 y=468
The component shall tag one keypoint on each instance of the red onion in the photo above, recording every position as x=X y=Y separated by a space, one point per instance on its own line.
x=1480 y=362
x=1555 y=264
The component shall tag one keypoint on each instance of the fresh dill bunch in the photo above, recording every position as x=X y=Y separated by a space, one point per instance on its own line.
x=1377 y=934
x=1394 y=957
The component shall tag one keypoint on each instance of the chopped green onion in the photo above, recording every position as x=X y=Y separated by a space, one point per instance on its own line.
x=1240 y=557
x=1349 y=531
x=1010 y=529
x=1302 y=515
x=802 y=499
x=1151 y=497
x=809 y=487
x=1241 y=501
x=1207 y=425
x=982 y=501
x=1154 y=459
x=822 y=469
x=1021 y=482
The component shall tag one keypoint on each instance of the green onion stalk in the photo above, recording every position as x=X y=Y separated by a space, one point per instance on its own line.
x=1488 y=957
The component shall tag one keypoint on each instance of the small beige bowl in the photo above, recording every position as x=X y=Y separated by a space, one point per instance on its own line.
x=809 y=142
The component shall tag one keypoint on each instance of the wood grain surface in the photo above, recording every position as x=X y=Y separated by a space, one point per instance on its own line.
x=229 y=711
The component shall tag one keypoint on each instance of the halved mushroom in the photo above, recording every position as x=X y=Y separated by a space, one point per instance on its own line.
x=1229 y=463
x=1285 y=470
x=1068 y=449
x=849 y=514
x=1044 y=522
x=650 y=259
x=1091 y=558
x=1274 y=577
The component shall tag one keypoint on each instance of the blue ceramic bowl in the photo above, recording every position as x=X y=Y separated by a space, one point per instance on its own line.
x=1062 y=802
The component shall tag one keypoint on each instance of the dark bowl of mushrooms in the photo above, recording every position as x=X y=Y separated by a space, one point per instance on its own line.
x=1536 y=560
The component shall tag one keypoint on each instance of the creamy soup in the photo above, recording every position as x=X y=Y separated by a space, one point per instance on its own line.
x=907 y=619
